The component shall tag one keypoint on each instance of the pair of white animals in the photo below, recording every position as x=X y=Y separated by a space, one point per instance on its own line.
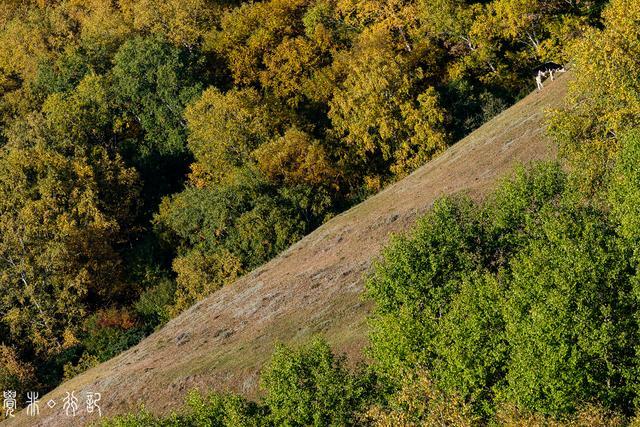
x=547 y=70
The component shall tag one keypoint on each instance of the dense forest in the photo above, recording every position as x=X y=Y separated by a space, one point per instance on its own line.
x=153 y=151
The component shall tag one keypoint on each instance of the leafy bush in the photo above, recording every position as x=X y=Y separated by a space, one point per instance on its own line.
x=15 y=374
x=222 y=231
x=471 y=342
x=309 y=386
x=109 y=332
x=624 y=188
x=570 y=316
x=214 y=410
x=527 y=298
x=153 y=308
x=305 y=386
x=419 y=402
x=415 y=281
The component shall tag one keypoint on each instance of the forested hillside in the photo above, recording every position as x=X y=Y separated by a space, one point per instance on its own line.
x=154 y=152
x=223 y=342
x=520 y=309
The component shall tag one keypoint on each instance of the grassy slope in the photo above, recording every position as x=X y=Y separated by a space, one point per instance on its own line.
x=313 y=287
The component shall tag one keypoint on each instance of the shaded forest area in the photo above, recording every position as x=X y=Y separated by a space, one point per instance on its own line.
x=152 y=152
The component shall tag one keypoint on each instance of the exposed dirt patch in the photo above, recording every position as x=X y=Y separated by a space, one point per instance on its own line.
x=313 y=287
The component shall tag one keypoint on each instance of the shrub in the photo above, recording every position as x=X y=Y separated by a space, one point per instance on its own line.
x=420 y=403
x=309 y=386
x=527 y=298
x=153 y=306
x=415 y=281
x=213 y=410
x=14 y=374
x=569 y=316
x=471 y=343
x=624 y=188
x=109 y=332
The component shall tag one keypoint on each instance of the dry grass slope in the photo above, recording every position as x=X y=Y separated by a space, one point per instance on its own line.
x=313 y=287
